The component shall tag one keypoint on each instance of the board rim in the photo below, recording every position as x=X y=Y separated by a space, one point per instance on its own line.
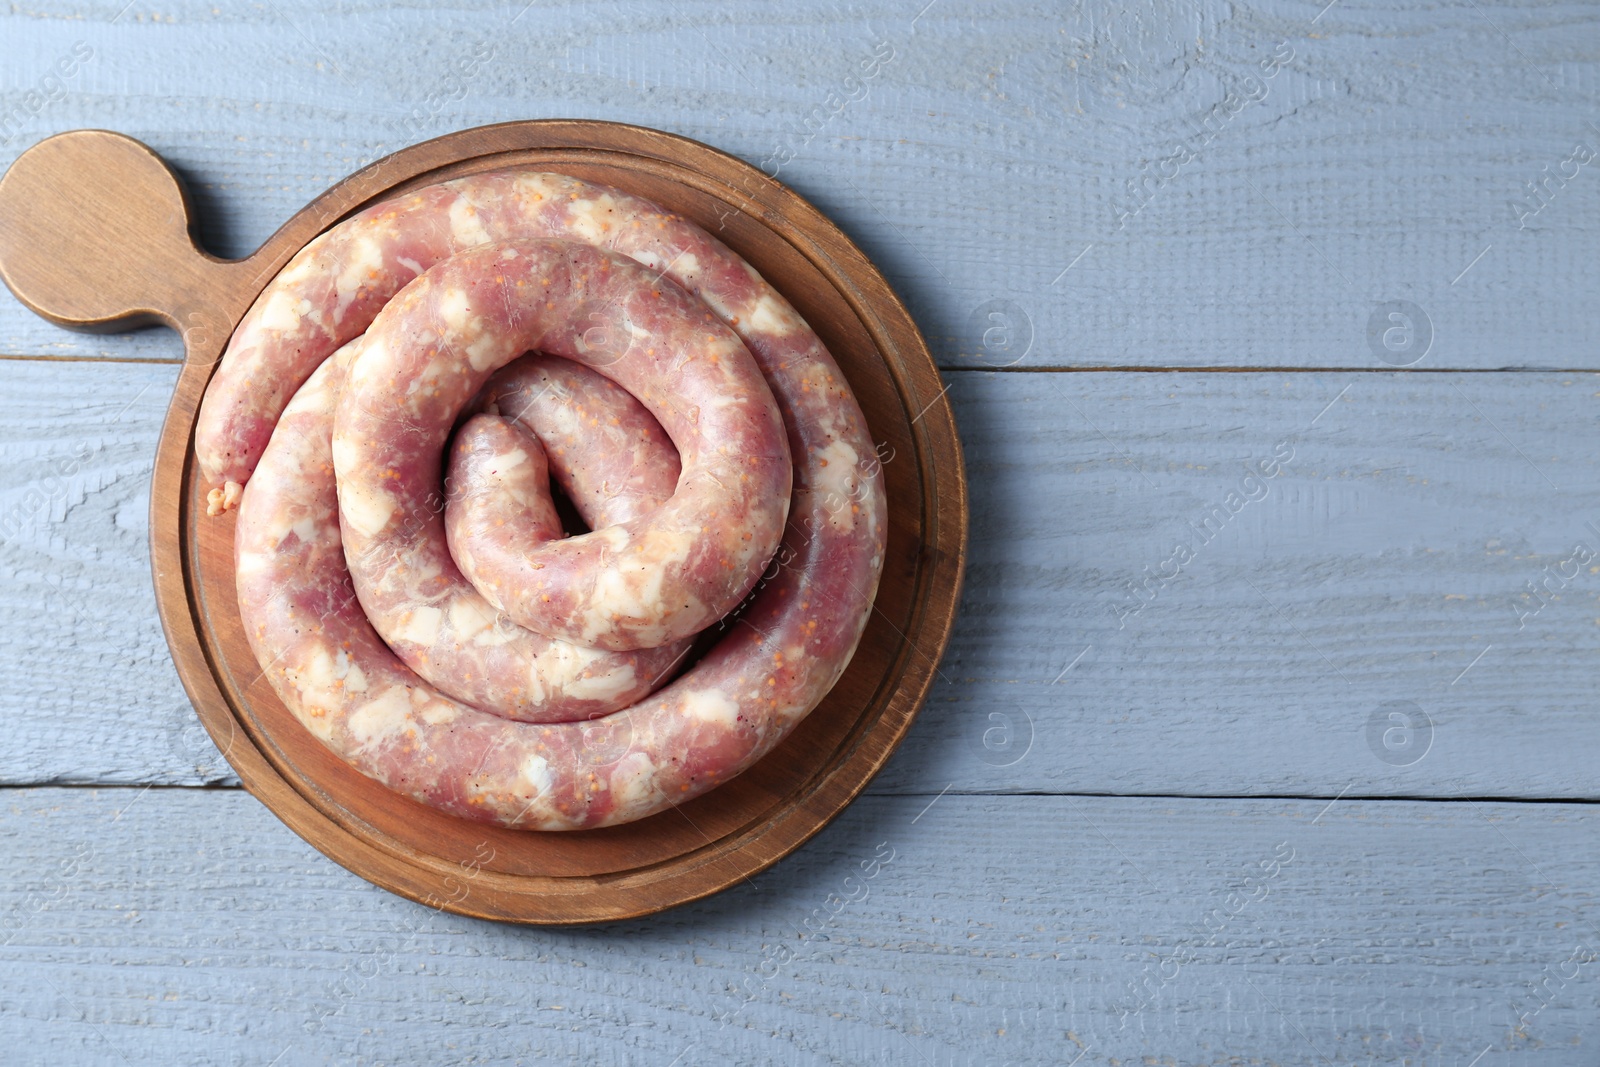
x=750 y=848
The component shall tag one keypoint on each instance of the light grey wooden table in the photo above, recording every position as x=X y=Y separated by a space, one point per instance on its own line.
x=1267 y=734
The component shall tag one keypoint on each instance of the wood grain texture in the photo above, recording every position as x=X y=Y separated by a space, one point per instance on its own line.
x=976 y=164
x=986 y=156
x=1398 y=543
x=96 y=234
x=190 y=926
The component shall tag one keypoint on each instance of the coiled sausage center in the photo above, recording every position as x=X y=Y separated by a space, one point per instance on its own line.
x=637 y=584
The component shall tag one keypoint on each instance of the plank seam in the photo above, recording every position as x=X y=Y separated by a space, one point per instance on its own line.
x=1410 y=798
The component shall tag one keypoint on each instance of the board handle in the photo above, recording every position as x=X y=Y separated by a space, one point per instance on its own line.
x=97 y=234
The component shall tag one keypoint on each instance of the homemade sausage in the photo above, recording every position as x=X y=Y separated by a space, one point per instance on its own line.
x=779 y=654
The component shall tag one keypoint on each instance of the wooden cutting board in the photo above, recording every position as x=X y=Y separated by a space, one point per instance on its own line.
x=97 y=233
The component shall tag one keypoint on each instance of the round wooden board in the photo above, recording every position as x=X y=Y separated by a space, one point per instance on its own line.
x=96 y=233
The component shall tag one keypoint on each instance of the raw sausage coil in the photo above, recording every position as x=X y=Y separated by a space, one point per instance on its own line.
x=417 y=301
x=659 y=578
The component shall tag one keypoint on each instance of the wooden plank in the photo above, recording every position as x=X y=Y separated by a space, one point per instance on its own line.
x=189 y=926
x=1384 y=161
x=87 y=666
x=1388 y=561
x=1385 y=570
